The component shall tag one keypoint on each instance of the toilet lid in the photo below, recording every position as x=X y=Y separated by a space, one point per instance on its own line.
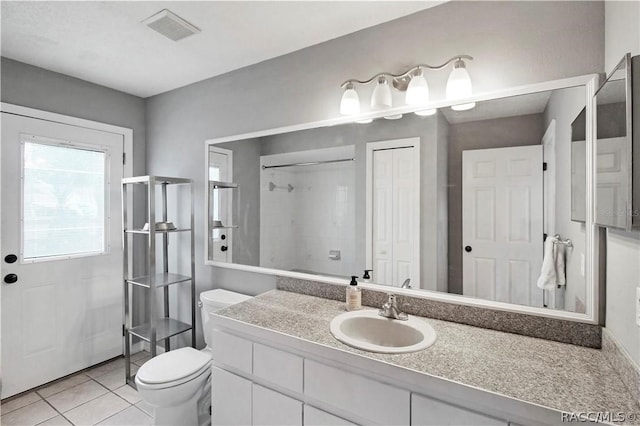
x=173 y=365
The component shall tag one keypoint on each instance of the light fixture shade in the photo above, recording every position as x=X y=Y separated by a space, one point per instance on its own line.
x=459 y=82
x=426 y=112
x=463 y=107
x=350 y=103
x=381 y=98
x=417 y=91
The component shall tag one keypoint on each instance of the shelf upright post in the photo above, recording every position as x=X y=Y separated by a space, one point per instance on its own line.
x=151 y=200
x=126 y=320
x=193 y=272
x=165 y=259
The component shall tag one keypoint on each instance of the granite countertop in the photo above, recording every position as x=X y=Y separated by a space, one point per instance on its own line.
x=555 y=375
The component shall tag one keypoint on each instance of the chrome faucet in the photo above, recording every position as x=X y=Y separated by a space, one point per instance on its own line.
x=390 y=309
x=406 y=284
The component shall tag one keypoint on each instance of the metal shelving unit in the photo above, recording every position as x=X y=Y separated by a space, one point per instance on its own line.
x=159 y=328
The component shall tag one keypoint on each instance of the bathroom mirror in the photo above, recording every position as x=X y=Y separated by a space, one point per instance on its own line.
x=458 y=202
x=614 y=152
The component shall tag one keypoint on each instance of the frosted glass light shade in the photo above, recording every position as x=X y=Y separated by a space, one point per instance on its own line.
x=426 y=112
x=417 y=91
x=350 y=103
x=459 y=83
x=381 y=98
x=463 y=107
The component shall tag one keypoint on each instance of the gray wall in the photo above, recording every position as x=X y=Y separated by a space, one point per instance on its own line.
x=564 y=106
x=514 y=43
x=622 y=35
x=497 y=133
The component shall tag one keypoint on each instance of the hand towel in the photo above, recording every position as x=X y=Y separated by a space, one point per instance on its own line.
x=552 y=273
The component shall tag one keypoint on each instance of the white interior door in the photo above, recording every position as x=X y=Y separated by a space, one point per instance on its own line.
x=61 y=209
x=220 y=203
x=502 y=224
x=395 y=216
x=612 y=182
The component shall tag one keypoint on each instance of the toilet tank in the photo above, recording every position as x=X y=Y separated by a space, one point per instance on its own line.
x=214 y=300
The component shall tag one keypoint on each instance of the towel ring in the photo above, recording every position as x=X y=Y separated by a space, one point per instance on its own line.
x=567 y=242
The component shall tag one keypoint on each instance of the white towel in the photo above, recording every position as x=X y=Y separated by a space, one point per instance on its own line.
x=552 y=273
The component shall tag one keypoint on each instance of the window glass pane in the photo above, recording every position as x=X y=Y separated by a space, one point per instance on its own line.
x=63 y=201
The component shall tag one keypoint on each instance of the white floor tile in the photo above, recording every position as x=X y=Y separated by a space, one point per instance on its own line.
x=106 y=368
x=142 y=355
x=72 y=397
x=113 y=379
x=145 y=407
x=96 y=410
x=129 y=394
x=19 y=402
x=132 y=416
x=63 y=385
x=29 y=415
x=56 y=421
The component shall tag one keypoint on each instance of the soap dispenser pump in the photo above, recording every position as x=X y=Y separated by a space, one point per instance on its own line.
x=354 y=295
x=366 y=277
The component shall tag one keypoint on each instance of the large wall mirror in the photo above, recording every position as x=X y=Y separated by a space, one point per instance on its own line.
x=456 y=202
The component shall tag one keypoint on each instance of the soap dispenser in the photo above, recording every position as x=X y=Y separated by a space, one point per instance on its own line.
x=354 y=295
x=366 y=277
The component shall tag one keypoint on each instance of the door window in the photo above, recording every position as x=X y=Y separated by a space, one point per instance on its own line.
x=64 y=189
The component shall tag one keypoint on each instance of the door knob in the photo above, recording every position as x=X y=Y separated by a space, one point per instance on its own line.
x=468 y=249
x=224 y=248
x=10 y=278
x=223 y=237
x=10 y=258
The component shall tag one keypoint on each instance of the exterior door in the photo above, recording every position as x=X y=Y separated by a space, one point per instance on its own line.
x=395 y=227
x=220 y=203
x=61 y=250
x=502 y=224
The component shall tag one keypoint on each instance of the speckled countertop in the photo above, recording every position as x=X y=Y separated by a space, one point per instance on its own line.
x=555 y=375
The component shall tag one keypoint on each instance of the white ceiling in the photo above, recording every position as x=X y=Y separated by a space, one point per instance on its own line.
x=532 y=103
x=104 y=41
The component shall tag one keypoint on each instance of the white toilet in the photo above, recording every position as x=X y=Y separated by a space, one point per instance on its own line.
x=178 y=383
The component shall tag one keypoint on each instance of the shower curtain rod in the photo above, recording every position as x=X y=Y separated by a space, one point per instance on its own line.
x=310 y=163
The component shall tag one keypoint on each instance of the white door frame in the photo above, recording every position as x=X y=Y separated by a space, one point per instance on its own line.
x=207 y=196
x=549 y=179
x=391 y=144
x=127 y=137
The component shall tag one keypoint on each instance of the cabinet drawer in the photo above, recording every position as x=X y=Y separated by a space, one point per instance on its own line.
x=230 y=399
x=232 y=351
x=426 y=411
x=367 y=398
x=315 y=417
x=277 y=367
x=272 y=408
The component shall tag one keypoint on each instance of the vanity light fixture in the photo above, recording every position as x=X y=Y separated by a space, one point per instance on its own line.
x=414 y=83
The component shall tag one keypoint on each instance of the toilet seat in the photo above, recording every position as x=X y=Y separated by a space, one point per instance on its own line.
x=173 y=368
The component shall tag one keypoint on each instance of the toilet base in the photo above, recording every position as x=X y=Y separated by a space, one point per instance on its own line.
x=195 y=412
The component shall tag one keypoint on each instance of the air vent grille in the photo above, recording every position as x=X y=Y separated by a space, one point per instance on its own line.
x=170 y=25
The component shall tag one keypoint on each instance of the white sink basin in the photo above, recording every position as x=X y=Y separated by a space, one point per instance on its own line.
x=369 y=331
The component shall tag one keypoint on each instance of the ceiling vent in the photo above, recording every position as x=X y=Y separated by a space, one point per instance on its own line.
x=170 y=25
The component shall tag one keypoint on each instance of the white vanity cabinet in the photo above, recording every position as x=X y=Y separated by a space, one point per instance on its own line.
x=258 y=384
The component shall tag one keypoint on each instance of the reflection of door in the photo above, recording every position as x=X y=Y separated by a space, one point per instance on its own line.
x=611 y=182
x=502 y=224
x=221 y=169
x=62 y=296
x=394 y=236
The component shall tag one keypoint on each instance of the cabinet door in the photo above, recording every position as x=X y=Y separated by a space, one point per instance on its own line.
x=230 y=399
x=315 y=417
x=273 y=408
x=427 y=411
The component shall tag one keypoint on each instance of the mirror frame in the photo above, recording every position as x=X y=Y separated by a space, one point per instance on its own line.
x=593 y=309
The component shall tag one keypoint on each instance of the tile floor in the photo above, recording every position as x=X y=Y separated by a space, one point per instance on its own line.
x=97 y=396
